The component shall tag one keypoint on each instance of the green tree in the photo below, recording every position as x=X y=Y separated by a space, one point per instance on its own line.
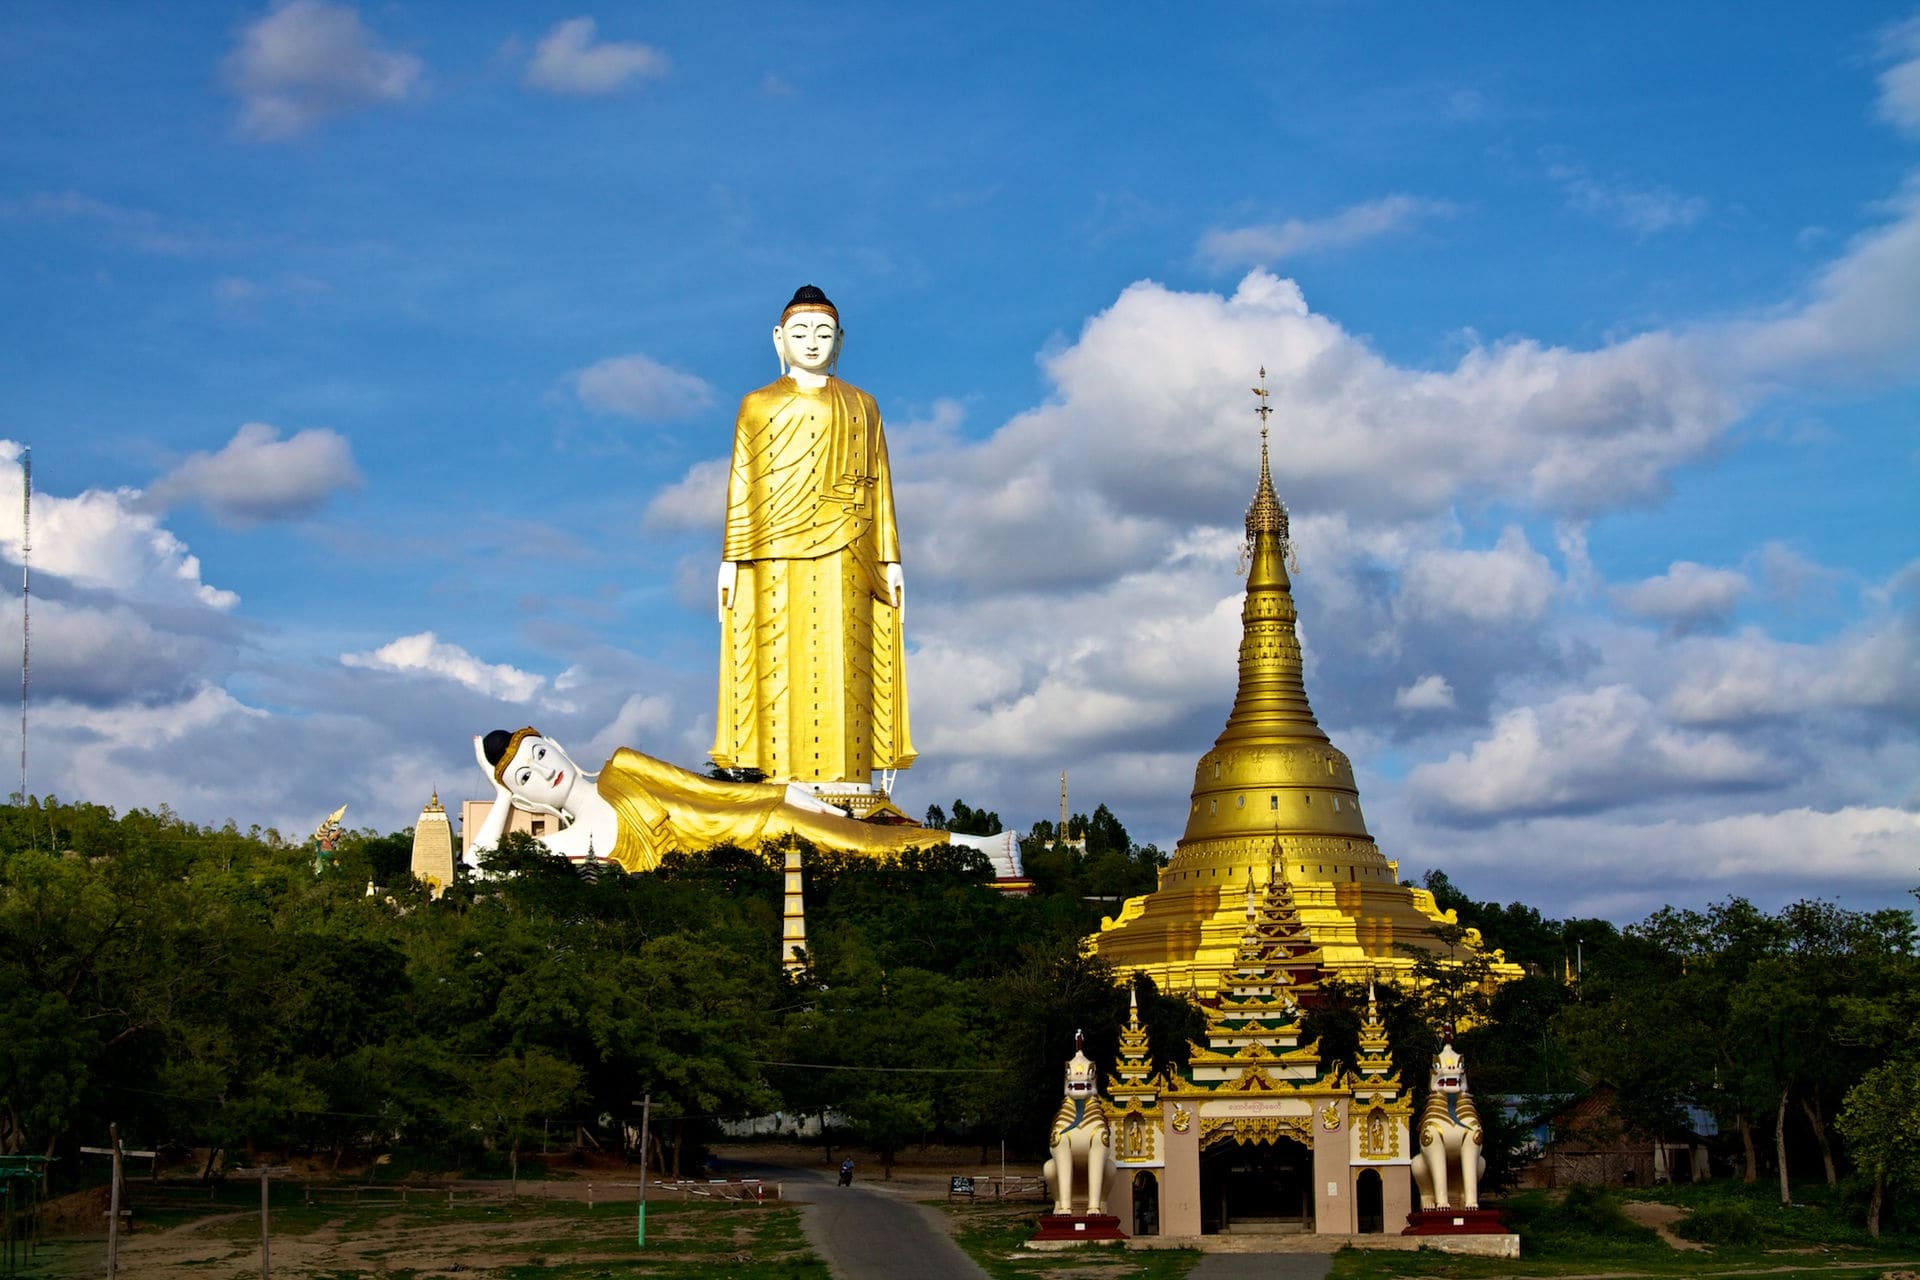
x=1880 y=1120
x=887 y=1119
x=507 y=1095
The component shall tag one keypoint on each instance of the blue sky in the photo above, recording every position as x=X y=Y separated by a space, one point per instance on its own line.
x=379 y=364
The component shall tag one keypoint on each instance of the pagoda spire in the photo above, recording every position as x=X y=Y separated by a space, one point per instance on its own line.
x=1267 y=514
x=1271 y=704
x=1273 y=801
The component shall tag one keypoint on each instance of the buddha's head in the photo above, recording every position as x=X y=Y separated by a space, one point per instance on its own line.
x=535 y=769
x=808 y=335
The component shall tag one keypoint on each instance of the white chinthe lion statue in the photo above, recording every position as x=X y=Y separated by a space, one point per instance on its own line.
x=1082 y=1136
x=1450 y=1136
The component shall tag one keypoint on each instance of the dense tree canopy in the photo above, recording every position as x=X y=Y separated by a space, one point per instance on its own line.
x=1767 y=1022
x=208 y=988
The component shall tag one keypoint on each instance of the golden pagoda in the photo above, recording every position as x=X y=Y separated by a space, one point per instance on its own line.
x=1275 y=796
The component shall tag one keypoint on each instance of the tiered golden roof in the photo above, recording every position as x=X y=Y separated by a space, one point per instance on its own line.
x=1376 y=1054
x=1134 y=1077
x=1273 y=794
x=1135 y=1089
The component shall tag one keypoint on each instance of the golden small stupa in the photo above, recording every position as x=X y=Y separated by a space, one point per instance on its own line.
x=432 y=862
x=1274 y=793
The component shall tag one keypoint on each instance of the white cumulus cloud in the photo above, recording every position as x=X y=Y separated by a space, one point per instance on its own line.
x=1428 y=693
x=1622 y=870
x=306 y=60
x=1860 y=319
x=1874 y=666
x=1509 y=583
x=426 y=654
x=1596 y=749
x=571 y=59
x=1687 y=597
x=1900 y=81
x=258 y=477
x=696 y=501
x=104 y=538
x=638 y=386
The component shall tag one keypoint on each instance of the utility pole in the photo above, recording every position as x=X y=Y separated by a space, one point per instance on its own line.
x=265 y=1173
x=640 y=1222
x=113 y=1193
x=26 y=582
x=113 y=1206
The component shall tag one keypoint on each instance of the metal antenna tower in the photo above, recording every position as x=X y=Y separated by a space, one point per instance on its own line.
x=26 y=587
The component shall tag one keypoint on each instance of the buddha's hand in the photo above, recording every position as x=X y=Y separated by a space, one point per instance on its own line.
x=500 y=791
x=896 y=586
x=729 y=577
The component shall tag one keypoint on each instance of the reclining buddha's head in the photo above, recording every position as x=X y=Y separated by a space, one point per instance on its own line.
x=535 y=769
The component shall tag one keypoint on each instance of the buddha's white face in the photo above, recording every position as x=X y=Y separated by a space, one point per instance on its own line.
x=541 y=773
x=808 y=341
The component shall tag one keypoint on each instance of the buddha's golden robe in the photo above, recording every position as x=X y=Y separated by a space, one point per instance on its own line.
x=813 y=683
x=665 y=809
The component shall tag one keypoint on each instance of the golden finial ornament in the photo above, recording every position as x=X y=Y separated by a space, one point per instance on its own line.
x=1267 y=514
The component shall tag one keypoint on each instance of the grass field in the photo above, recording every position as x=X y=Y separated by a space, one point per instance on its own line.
x=1590 y=1233
x=1744 y=1233
x=495 y=1237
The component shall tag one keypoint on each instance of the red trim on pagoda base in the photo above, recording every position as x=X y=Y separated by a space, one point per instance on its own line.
x=1079 y=1226
x=1455 y=1222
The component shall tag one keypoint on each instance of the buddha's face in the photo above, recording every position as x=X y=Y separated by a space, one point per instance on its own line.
x=808 y=340
x=541 y=772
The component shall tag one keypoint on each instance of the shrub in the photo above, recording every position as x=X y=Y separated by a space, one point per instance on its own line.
x=1726 y=1223
x=1584 y=1223
x=1595 y=1211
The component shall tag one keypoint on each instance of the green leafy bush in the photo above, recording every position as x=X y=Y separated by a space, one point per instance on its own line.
x=1596 y=1211
x=1725 y=1223
x=1585 y=1222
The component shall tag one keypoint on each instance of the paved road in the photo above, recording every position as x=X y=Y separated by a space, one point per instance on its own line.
x=1262 y=1266
x=866 y=1233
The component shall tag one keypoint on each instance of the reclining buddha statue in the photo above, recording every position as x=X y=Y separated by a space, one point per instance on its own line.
x=636 y=809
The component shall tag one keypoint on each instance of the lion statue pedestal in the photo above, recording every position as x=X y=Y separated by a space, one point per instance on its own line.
x=1081 y=1140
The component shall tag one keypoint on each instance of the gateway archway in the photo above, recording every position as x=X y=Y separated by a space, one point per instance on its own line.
x=1256 y=1187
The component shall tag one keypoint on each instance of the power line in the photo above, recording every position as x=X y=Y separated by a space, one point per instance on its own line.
x=761 y=1062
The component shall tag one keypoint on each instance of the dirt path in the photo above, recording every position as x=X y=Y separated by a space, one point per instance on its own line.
x=1661 y=1218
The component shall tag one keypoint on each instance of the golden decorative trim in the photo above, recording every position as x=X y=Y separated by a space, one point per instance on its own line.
x=1256 y=1130
x=795 y=308
x=1330 y=1118
x=506 y=757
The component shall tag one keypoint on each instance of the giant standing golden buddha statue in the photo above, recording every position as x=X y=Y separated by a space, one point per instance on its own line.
x=1274 y=796
x=812 y=658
